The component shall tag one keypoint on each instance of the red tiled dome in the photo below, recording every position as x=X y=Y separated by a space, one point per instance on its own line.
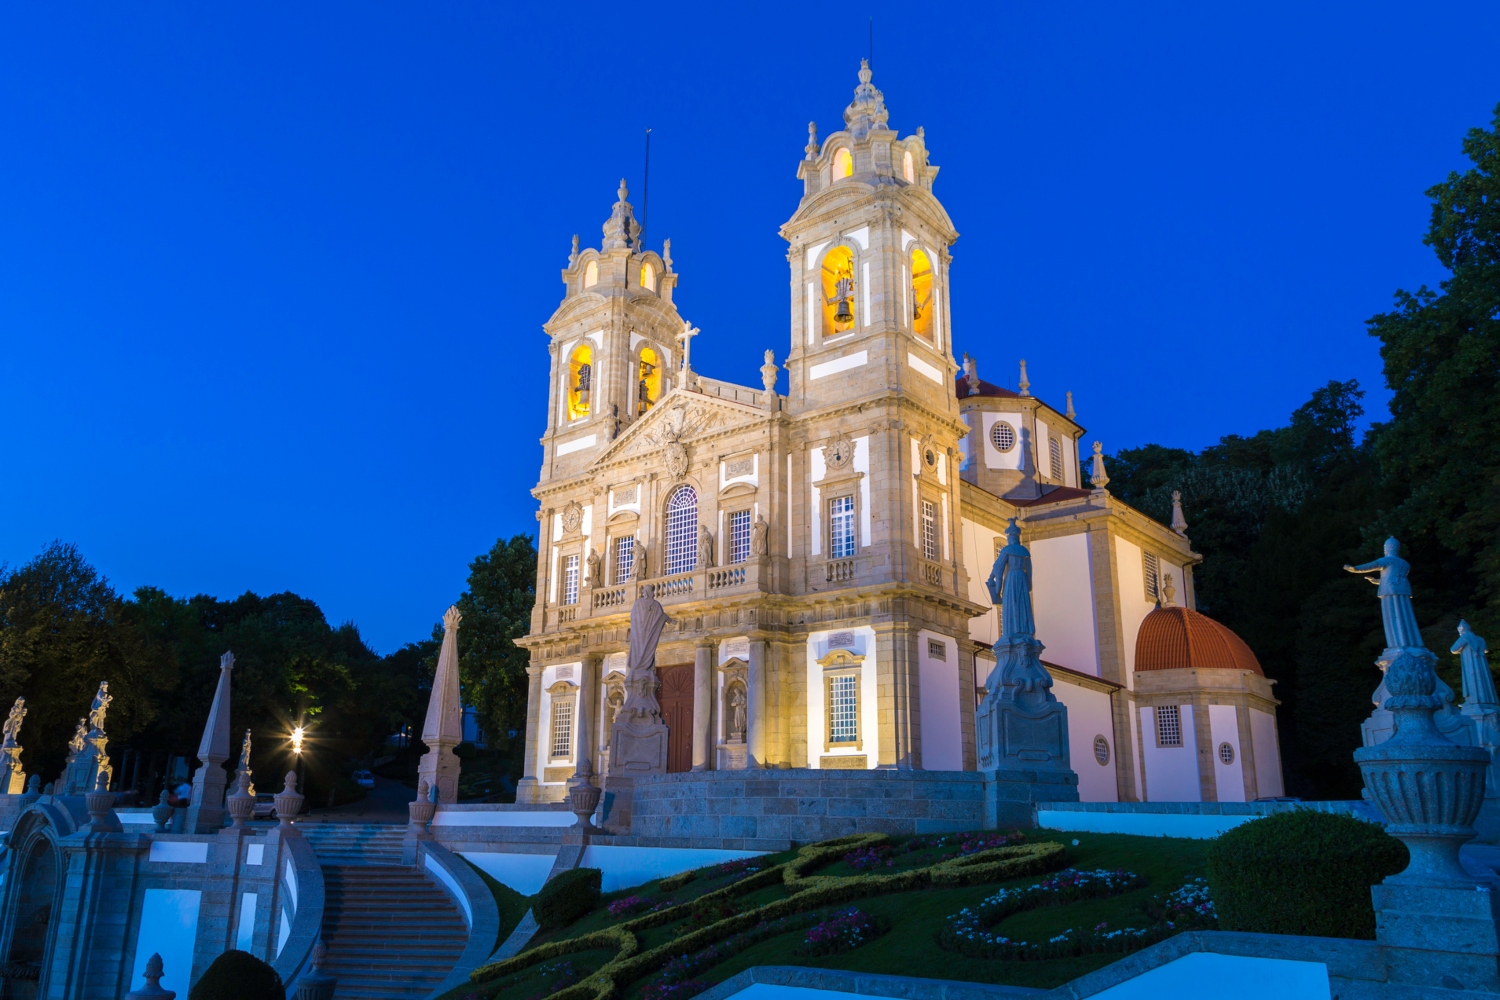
x=1176 y=638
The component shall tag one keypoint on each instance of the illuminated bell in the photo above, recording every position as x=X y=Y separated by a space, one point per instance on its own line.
x=584 y=371
x=843 y=315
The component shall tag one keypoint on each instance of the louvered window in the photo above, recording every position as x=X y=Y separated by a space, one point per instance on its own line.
x=1151 y=571
x=1054 y=446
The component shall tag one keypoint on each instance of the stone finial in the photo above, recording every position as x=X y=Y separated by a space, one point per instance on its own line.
x=921 y=133
x=100 y=803
x=33 y=790
x=624 y=191
x=451 y=618
x=769 y=372
x=1025 y=384
x=1179 y=523
x=163 y=811
x=971 y=375
x=443 y=728
x=573 y=255
x=621 y=225
x=811 y=149
x=314 y=984
x=867 y=110
x=666 y=254
x=288 y=801
x=1168 y=591
x=1099 y=479
x=152 y=990
x=1070 y=414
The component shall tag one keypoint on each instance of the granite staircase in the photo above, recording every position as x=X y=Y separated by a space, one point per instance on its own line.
x=391 y=932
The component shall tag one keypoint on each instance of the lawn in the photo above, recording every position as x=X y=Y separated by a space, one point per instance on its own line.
x=901 y=926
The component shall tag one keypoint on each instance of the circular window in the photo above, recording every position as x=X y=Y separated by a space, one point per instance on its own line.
x=1101 y=750
x=1003 y=436
x=931 y=457
x=1226 y=753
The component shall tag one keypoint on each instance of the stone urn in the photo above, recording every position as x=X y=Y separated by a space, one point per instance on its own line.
x=313 y=984
x=162 y=812
x=33 y=791
x=421 y=810
x=241 y=801
x=101 y=805
x=288 y=801
x=151 y=990
x=585 y=799
x=1428 y=788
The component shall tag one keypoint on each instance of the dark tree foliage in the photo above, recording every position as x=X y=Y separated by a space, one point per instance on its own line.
x=497 y=610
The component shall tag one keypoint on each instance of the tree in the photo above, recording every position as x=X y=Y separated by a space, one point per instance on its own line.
x=497 y=610
x=1440 y=452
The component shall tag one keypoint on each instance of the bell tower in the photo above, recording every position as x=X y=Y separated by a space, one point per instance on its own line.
x=613 y=342
x=869 y=265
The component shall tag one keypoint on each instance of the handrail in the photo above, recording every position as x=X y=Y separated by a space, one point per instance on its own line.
x=307 y=896
x=454 y=876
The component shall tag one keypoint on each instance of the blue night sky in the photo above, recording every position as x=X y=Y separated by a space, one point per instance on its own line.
x=272 y=279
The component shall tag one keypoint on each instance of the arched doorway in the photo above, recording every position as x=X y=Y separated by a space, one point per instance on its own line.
x=36 y=873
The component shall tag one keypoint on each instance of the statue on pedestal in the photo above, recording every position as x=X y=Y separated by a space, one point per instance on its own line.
x=638 y=744
x=1478 y=684
x=1022 y=728
x=87 y=757
x=14 y=777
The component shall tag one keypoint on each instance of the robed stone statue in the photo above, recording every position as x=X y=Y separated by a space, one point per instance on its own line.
x=638 y=743
x=1022 y=728
x=1396 y=613
x=1478 y=683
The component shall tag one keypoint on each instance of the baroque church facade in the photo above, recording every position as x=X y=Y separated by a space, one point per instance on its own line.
x=823 y=554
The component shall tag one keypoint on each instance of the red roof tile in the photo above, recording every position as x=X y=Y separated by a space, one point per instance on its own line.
x=1178 y=638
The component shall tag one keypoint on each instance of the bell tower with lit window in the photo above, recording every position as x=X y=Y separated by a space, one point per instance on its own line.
x=613 y=342
x=869 y=265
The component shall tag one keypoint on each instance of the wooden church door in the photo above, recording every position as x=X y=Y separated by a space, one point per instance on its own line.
x=676 y=698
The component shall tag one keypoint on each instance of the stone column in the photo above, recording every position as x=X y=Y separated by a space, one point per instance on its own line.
x=703 y=672
x=527 y=788
x=583 y=754
x=205 y=812
x=755 y=681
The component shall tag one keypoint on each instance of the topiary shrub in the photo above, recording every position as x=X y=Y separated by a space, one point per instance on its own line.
x=238 y=975
x=566 y=897
x=1301 y=872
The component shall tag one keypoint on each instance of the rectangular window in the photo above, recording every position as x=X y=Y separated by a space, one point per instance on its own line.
x=1151 y=571
x=624 y=558
x=843 y=709
x=1055 y=447
x=570 y=580
x=841 y=527
x=739 y=536
x=1168 y=726
x=929 y=530
x=562 y=728
x=937 y=650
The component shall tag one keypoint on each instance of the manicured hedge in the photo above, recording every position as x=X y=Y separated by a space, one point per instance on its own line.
x=566 y=897
x=238 y=975
x=1301 y=872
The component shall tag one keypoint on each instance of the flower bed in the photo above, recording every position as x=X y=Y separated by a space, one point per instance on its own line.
x=843 y=930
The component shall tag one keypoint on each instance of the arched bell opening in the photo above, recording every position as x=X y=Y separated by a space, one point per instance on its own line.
x=921 y=294
x=838 y=292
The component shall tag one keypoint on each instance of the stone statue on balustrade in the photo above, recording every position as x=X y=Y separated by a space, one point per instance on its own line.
x=1389 y=573
x=638 y=740
x=14 y=777
x=1022 y=728
x=88 y=756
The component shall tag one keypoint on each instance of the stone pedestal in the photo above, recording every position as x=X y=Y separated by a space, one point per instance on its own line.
x=439 y=768
x=419 y=813
x=12 y=775
x=82 y=773
x=638 y=748
x=288 y=802
x=1022 y=732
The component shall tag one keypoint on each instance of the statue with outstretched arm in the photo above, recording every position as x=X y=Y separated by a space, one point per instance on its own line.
x=1395 y=596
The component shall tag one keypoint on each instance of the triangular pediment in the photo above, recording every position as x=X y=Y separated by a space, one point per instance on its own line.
x=681 y=416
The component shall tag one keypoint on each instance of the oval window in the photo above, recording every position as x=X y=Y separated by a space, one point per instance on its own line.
x=1101 y=750
x=1003 y=436
x=1226 y=753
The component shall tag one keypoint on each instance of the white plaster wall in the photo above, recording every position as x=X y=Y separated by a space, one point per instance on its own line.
x=942 y=739
x=979 y=558
x=1062 y=595
x=994 y=458
x=1171 y=772
x=169 y=927
x=1267 y=754
x=524 y=873
x=1070 y=461
x=1223 y=726
x=869 y=714
x=1133 y=604
x=544 y=722
x=1089 y=716
x=626 y=867
x=1043 y=449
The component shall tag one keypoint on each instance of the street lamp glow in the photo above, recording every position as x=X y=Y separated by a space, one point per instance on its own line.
x=297 y=735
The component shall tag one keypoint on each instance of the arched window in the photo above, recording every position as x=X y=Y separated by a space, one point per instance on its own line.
x=908 y=168
x=843 y=165
x=648 y=381
x=838 y=291
x=648 y=277
x=580 y=381
x=591 y=274
x=682 y=531
x=921 y=295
